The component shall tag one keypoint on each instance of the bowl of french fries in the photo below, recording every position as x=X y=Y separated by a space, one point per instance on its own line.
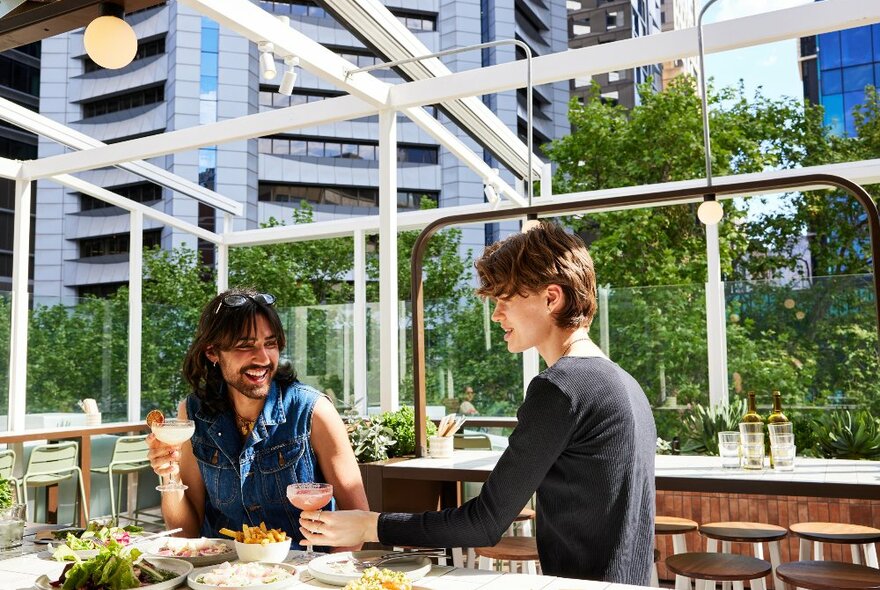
x=259 y=543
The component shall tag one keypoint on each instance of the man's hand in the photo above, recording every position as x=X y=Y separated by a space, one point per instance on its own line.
x=341 y=528
x=163 y=458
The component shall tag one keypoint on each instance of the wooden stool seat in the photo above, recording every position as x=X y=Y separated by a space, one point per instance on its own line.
x=835 y=532
x=511 y=549
x=743 y=532
x=672 y=525
x=656 y=555
x=828 y=575
x=722 y=567
x=525 y=514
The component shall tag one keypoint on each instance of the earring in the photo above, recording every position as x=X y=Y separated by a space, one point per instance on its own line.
x=215 y=364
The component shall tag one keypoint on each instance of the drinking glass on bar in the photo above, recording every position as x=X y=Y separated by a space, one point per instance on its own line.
x=728 y=449
x=782 y=446
x=751 y=438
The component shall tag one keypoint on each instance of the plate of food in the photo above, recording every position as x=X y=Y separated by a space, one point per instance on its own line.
x=341 y=568
x=199 y=552
x=243 y=576
x=77 y=544
x=116 y=566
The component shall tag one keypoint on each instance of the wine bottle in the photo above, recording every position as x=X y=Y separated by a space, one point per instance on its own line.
x=776 y=416
x=752 y=414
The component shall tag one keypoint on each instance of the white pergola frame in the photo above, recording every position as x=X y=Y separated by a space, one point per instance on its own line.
x=370 y=97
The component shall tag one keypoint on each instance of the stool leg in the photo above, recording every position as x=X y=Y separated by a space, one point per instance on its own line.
x=725 y=548
x=804 y=553
x=712 y=545
x=818 y=551
x=457 y=557
x=758 y=584
x=529 y=567
x=739 y=586
x=526 y=528
x=679 y=545
x=655 y=577
x=486 y=563
x=856 y=551
x=870 y=554
x=775 y=560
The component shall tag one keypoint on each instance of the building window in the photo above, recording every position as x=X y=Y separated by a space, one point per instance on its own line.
x=123 y=102
x=343 y=196
x=573 y=4
x=103 y=290
x=141 y=192
x=580 y=26
x=416 y=21
x=581 y=82
x=349 y=149
x=17 y=150
x=613 y=76
x=115 y=244
x=146 y=48
x=270 y=98
x=19 y=76
x=613 y=20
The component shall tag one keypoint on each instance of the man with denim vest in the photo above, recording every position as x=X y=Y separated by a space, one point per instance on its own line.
x=257 y=429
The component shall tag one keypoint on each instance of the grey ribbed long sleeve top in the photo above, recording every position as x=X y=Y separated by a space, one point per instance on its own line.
x=585 y=441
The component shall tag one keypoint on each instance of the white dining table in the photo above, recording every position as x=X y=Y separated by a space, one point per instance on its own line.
x=20 y=569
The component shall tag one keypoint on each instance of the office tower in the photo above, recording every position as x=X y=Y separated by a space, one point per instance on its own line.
x=19 y=83
x=190 y=71
x=675 y=15
x=595 y=22
x=835 y=69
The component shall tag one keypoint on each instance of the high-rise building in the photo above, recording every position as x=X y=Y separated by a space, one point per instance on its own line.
x=594 y=22
x=19 y=83
x=835 y=69
x=188 y=71
x=675 y=15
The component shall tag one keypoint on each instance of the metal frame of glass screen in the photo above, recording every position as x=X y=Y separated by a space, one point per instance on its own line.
x=645 y=200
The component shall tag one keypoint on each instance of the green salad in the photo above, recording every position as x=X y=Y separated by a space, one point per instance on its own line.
x=93 y=538
x=115 y=567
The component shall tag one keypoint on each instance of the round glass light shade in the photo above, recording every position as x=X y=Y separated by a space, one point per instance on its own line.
x=710 y=212
x=110 y=42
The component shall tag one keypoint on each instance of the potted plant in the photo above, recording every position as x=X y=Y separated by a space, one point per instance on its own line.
x=377 y=440
x=12 y=516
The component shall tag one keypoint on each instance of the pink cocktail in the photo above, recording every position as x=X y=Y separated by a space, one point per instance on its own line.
x=309 y=496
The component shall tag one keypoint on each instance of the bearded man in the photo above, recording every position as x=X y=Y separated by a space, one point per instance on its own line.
x=257 y=429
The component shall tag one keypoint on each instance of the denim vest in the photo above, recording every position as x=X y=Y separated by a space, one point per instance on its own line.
x=246 y=481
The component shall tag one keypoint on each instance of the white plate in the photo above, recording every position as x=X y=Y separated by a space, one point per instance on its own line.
x=181 y=568
x=337 y=569
x=285 y=583
x=152 y=548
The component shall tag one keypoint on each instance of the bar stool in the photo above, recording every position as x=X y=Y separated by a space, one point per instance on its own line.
x=514 y=550
x=677 y=528
x=861 y=539
x=827 y=575
x=720 y=567
x=746 y=532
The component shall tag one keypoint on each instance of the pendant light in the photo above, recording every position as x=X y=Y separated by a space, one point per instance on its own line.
x=109 y=40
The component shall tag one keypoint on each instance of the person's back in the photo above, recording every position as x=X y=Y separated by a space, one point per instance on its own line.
x=596 y=503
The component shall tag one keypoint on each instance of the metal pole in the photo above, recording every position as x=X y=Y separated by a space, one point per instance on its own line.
x=707 y=147
x=518 y=43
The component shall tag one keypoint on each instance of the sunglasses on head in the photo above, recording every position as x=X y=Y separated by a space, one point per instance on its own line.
x=237 y=300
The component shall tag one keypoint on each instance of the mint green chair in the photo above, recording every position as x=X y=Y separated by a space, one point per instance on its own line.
x=129 y=456
x=51 y=464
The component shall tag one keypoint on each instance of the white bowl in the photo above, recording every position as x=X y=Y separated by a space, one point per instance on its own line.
x=270 y=552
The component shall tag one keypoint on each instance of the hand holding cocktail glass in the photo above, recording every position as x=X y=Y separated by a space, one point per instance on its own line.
x=309 y=496
x=173 y=433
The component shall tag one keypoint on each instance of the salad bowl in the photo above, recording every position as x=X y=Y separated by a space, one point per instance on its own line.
x=181 y=568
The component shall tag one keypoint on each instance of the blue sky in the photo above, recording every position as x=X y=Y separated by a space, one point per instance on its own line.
x=773 y=66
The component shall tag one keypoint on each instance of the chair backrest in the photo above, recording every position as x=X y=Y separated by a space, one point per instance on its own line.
x=472 y=441
x=7 y=463
x=50 y=458
x=130 y=450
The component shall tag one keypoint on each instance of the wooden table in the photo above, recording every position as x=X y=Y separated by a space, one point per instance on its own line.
x=82 y=434
x=19 y=570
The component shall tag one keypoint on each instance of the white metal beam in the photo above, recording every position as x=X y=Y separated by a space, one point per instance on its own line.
x=46 y=127
x=18 y=334
x=129 y=205
x=359 y=322
x=791 y=23
x=9 y=168
x=389 y=383
x=135 y=313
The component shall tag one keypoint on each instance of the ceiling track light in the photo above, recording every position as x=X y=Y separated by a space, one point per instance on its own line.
x=110 y=41
x=710 y=211
x=267 y=60
x=289 y=78
x=491 y=188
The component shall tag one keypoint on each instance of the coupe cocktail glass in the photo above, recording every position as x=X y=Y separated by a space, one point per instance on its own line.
x=309 y=496
x=174 y=433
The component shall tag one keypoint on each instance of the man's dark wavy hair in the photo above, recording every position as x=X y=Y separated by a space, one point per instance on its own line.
x=222 y=326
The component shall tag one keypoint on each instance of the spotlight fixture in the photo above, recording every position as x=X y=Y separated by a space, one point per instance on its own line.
x=109 y=40
x=267 y=60
x=530 y=224
x=491 y=193
x=710 y=211
x=289 y=78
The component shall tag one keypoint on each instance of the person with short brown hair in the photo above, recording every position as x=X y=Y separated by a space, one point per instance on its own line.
x=584 y=441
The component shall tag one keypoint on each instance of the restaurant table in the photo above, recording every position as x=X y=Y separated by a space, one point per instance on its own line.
x=19 y=569
x=831 y=478
x=82 y=434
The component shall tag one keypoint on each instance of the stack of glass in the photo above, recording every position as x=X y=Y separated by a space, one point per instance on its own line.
x=751 y=438
x=782 y=446
x=728 y=449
